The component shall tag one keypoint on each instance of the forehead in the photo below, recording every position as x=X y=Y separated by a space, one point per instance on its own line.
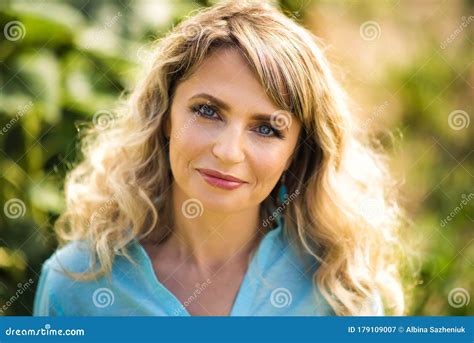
x=226 y=75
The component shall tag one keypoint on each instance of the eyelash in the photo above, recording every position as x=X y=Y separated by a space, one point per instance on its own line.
x=198 y=108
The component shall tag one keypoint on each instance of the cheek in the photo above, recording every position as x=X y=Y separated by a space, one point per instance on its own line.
x=187 y=138
x=186 y=130
x=267 y=163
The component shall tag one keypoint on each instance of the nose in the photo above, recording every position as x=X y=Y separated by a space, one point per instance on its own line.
x=228 y=147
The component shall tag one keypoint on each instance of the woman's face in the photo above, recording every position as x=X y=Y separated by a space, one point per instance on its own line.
x=222 y=120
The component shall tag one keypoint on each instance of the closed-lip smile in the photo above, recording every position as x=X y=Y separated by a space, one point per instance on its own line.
x=220 y=180
x=215 y=173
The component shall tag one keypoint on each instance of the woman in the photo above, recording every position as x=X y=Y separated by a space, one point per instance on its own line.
x=232 y=183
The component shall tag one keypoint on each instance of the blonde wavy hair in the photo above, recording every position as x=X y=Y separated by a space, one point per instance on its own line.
x=346 y=214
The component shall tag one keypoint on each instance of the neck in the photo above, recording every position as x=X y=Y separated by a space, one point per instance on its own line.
x=212 y=239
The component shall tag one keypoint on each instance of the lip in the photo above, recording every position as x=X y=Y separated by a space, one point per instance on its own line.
x=215 y=173
x=215 y=178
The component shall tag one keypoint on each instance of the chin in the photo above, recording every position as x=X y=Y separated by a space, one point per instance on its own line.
x=225 y=203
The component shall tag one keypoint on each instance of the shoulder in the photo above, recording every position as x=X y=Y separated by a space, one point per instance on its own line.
x=74 y=257
x=61 y=294
x=54 y=282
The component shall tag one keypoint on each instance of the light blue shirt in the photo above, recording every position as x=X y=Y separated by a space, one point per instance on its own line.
x=275 y=284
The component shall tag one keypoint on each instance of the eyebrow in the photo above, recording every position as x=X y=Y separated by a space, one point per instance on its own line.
x=226 y=107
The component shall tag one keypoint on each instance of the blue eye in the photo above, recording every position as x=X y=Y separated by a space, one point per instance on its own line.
x=210 y=112
x=265 y=130
x=268 y=131
x=205 y=110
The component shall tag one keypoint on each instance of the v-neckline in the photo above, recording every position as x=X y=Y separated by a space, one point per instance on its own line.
x=260 y=256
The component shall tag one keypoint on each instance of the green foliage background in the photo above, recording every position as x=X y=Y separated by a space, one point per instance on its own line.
x=74 y=58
